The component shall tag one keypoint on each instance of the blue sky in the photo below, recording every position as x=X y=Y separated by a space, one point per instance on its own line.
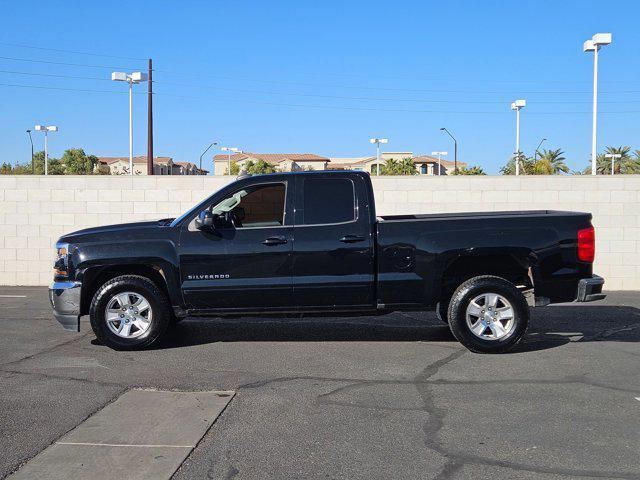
x=321 y=77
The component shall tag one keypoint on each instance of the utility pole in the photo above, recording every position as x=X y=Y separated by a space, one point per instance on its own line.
x=150 y=121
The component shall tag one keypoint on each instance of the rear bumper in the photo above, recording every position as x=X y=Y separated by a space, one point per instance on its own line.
x=590 y=289
x=65 y=300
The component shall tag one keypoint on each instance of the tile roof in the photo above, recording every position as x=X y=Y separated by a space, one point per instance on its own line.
x=272 y=158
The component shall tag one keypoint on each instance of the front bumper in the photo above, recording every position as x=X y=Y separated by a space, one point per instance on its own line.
x=590 y=289
x=65 y=300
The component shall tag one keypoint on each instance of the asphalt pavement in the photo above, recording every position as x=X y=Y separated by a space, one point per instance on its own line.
x=393 y=396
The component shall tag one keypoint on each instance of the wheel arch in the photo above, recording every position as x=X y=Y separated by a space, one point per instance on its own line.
x=95 y=276
x=514 y=266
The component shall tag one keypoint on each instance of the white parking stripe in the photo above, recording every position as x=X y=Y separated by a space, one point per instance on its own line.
x=13 y=296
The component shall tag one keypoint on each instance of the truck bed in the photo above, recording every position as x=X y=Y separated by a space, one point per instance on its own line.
x=416 y=251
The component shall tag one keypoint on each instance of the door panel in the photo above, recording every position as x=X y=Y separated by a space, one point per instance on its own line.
x=333 y=263
x=245 y=264
x=237 y=269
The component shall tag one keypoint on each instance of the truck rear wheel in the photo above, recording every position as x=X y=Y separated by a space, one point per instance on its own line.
x=129 y=312
x=488 y=314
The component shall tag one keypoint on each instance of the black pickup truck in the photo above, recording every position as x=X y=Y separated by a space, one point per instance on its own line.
x=311 y=243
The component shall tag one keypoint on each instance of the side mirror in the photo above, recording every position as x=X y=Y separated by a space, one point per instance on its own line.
x=205 y=221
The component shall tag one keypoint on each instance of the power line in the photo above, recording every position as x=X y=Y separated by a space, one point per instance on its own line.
x=13 y=72
x=84 y=90
x=329 y=107
x=314 y=95
x=410 y=100
x=16 y=59
x=76 y=52
x=395 y=89
x=409 y=90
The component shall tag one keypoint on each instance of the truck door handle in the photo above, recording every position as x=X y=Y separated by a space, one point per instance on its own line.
x=352 y=239
x=274 y=241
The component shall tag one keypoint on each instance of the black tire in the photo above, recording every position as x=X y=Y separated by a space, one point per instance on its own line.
x=442 y=311
x=475 y=287
x=160 y=308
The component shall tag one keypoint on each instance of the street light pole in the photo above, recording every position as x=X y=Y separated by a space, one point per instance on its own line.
x=535 y=154
x=131 y=126
x=378 y=141
x=46 y=129
x=517 y=106
x=33 y=165
x=440 y=154
x=206 y=150
x=230 y=150
x=612 y=156
x=455 y=149
x=135 y=77
x=593 y=45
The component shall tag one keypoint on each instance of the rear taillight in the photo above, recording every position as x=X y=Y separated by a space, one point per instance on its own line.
x=586 y=244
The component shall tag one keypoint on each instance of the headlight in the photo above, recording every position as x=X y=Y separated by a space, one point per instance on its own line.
x=61 y=265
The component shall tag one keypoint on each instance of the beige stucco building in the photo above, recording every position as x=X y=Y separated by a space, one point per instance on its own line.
x=425 y=164
x=283 y=162
x=161 y=166
x=289 y=162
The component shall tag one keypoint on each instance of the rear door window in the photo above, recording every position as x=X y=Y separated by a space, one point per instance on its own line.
x=328 y=200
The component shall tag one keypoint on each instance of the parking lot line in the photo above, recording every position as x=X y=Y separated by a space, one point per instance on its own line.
x=142 y=434
x=13 y=296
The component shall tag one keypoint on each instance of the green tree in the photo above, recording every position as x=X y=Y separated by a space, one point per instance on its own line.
x=404 y=167
x=235 y=169
x=626 y=164
x=75 y=161
x=475 y=170
x=550 y=162
x=526 y=165
x=259 y=167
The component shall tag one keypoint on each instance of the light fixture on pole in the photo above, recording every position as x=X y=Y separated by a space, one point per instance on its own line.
x=135 y=77
x=593 y=45
x=517 y=106
x=229 y=150
x=455 y=149
x=46 y=129
x=378 y=141
x=33 y=165
x=207 y=149
x=440 y=154
x=612 y=156
x=535 y=154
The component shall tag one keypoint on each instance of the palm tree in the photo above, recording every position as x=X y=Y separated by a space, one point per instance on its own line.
x=475 y=170
x=526 y=165
x=404 y=167
x=626 y=164
x=551 y=162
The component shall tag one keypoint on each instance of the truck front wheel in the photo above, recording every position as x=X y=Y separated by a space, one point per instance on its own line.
x=129 y=312
x=488 y=314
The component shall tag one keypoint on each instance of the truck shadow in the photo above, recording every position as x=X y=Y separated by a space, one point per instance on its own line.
x=550 y=327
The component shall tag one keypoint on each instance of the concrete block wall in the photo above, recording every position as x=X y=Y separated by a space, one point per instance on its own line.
x=36 y=210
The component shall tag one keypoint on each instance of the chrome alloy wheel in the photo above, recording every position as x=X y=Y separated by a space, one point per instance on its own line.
x=490 y=316
x=128 y=314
